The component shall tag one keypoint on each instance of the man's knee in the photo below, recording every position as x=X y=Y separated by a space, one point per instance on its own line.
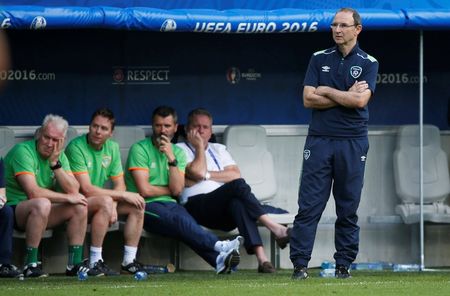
x=131 y=210
x=80 y=211
x=239 y=182
x=40 y=207
x=139 y=212
x=37 y=209
x=240 y=186
x=101 y=204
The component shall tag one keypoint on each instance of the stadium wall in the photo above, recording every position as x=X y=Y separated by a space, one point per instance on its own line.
x=388 y=240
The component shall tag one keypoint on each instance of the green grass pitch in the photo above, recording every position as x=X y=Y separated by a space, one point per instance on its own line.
x=247 y=282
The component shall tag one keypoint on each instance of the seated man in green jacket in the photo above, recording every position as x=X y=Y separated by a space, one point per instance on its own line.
x=44 y=193
x=95 y=158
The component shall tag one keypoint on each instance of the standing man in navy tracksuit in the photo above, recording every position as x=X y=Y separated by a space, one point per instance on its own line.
x=338 y=85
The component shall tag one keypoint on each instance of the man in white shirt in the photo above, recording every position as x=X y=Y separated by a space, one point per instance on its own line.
x=216 y=195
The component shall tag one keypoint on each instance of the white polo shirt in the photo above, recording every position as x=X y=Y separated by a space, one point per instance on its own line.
x=217 y=158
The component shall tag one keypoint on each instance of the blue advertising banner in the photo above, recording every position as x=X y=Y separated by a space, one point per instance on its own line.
x=231 y=21
x=239 y=21
x=253 y=79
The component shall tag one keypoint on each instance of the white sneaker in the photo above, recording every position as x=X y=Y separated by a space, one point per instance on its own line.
x=226 y=261
x=231 y=245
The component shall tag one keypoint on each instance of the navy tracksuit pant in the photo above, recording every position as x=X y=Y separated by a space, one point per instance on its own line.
x=6 y=232
x=229 y=206
x=172 y=220
x=337 y=165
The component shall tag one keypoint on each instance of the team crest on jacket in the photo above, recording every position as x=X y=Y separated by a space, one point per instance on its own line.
x=106 y=161
x=306 y=154
x=355 y=71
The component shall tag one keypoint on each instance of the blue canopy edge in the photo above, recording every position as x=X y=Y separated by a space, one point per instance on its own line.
x=210 y=20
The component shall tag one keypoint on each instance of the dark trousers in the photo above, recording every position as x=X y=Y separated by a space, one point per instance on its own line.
x=329 y=164
x=6 y=232
x=172 y=220
x=229 y=206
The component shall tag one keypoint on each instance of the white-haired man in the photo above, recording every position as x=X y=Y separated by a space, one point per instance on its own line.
x=43 y=193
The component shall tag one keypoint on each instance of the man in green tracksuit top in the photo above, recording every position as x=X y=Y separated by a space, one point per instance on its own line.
x=95 y=158
x=43 y=193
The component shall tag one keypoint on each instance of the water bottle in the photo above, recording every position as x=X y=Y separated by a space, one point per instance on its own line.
x=327 y=273
x=387 y=265
x=327 y=264
x=153 y=269
x=406 y=267
x=140 y=276
x=82 y=275
x=367 y=266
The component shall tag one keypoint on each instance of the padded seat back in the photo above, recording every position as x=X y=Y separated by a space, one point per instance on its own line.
x=407 y=165
x=70 y=135
x=126 y=136
x=7 y=140
x=248 y=146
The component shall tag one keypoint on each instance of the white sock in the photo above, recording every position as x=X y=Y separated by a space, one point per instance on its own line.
x=95 y=255
x=129 y=254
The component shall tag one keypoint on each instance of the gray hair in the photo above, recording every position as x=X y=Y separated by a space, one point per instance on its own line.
x=196 y=112
x=60 y=123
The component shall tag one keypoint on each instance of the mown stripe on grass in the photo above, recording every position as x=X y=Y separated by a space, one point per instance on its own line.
x=65 y=287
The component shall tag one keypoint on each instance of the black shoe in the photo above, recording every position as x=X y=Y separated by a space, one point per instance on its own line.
x=34 y=270
x=9 y=271
x=83 y=266
x=300 y=273
x=131 y=268
x=100 y=266
x=342 y=272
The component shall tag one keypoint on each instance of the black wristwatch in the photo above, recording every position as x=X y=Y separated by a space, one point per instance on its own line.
x=58 y=165
x=173 y=163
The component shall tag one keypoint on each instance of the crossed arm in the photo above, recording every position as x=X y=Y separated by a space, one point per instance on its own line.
x=229 y=173
x=147 y=190
x=324 y=97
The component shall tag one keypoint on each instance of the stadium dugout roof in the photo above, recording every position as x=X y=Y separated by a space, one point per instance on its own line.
x=215 y=16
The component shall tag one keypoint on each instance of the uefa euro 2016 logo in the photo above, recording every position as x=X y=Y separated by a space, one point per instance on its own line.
x=38 y=22
x=233 y=75
x=169 y=25
x=118 y=75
